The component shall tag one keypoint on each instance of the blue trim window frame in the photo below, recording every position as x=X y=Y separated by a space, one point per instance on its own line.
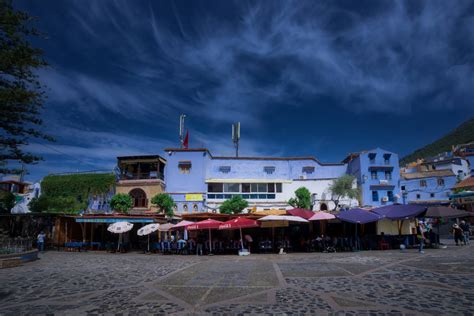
x=269 y=169
x=386 y=158
x=423 y=183
x=390 y=196
x=440 y=182
x=388 y=175
x=375 y=196
x=373 y=175
x=224 y=169
x=372 y=158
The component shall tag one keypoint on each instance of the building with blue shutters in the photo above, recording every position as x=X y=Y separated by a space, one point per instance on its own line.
x=378 y=176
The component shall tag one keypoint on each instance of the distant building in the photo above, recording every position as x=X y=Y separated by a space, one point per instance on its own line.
x=432 y=180
x=142 y=177
x=199 y=182
x=465 y=151
x=378 y=176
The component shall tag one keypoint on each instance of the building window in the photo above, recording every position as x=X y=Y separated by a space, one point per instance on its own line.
x=269 y=169
x=375 y=196
x=386 y=159
x=231 y=187
x=195 y=208
x=308 y=170
x=278 y=187
x=390 y=195
x=441 y=182
x=271 y=187
x=372 y=158
x=215 y=187
x=403 y=188
x=224 y=169
x=388 y=175
x=418 y=196
x=245 y=187
x=185 y=208
x=184 y=167
x=423 y=183
x=373 y=175
x=432 y=195
x=139 y=198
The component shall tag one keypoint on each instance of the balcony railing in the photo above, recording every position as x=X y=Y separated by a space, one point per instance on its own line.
x=142 y=176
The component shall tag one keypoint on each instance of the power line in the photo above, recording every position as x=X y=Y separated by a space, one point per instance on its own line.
x=67 y=155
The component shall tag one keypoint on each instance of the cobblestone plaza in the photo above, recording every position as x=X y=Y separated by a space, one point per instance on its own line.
x=364 y=283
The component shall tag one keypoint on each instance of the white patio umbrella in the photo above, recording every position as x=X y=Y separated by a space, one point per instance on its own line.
x=147 y=230
x=119 y=228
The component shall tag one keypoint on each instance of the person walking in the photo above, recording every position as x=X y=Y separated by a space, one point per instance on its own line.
x=458 y=235
x=40 y=241
x=466 y=229
x=421 y=236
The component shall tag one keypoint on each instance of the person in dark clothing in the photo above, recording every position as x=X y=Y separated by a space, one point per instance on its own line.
x=458 y=234
x=466 y=229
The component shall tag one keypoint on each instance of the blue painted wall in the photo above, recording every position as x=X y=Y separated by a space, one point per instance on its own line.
x=413 y=192
x=361 y=167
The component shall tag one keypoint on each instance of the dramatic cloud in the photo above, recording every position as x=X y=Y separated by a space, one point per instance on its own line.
x=282 y=68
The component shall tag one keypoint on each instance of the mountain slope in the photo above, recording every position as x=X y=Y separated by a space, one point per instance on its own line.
x=464 y=133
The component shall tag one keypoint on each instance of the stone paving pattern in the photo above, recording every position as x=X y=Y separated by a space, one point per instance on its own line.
x=439 y=282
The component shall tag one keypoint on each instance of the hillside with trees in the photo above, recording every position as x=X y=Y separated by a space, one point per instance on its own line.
x=461 y=135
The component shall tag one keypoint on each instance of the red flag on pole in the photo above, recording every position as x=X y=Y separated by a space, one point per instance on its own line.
x=186 y=140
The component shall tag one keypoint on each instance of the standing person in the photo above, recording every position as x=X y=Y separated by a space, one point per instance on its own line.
x=466 y=228
x=249 y=241
x=40 y=240
x=421 y=236
x=458 y=234
x=199 y=244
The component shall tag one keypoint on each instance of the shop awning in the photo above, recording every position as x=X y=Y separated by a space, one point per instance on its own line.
x=113 y=220
x=358 y=216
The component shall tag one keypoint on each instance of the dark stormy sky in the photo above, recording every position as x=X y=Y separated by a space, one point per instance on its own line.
x=320 y=78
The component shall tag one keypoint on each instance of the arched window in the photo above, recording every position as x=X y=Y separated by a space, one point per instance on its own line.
x=185 y=208
x=323 y=207
x=195 y=208
x=175 y=209
x=139 y=198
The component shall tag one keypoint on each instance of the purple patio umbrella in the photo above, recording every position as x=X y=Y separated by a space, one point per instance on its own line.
x=358 y=216
x=400 y=211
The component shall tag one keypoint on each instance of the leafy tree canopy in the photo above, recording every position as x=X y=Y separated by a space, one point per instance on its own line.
x=21 y=94
x=7 y=201
x=302 y=199
x=165 y=203
x=121 y=202
x=341 y=188
x=235 y=205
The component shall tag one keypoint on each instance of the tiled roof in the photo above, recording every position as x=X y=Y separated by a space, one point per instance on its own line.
x=466 y=183
x=427 y=174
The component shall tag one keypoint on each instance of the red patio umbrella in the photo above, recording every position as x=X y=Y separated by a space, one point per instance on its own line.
x=239 y=223
x=206 y=224
x=301 y=212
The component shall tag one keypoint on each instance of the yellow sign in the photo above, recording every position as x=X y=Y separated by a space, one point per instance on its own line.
x=194 y=197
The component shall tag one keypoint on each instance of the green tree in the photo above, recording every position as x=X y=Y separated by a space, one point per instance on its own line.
x=121 y=202
x=235 y=205
x=7 y=201
x=39 y=204
x=302 y=199
x=341 y=188
x=165 y=203
x=21 y=94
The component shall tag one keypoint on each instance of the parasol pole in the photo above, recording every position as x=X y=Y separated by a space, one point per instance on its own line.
x=241 y=239
x=119 y=241
x=148 y=242
x=210 y=242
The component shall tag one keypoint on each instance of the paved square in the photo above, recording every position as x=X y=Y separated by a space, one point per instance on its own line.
x=365 y=283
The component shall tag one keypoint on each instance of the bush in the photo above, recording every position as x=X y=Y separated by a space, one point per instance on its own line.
x=302 y=199
x=165 y=203
x=233 y=206
x=121 y=202
x=7 y=201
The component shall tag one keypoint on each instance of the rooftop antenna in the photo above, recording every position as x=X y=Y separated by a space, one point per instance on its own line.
x=236 y=137
x=181 y=129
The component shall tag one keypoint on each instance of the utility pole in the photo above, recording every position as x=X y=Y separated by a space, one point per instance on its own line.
x=181 y=129
x=236 y=137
